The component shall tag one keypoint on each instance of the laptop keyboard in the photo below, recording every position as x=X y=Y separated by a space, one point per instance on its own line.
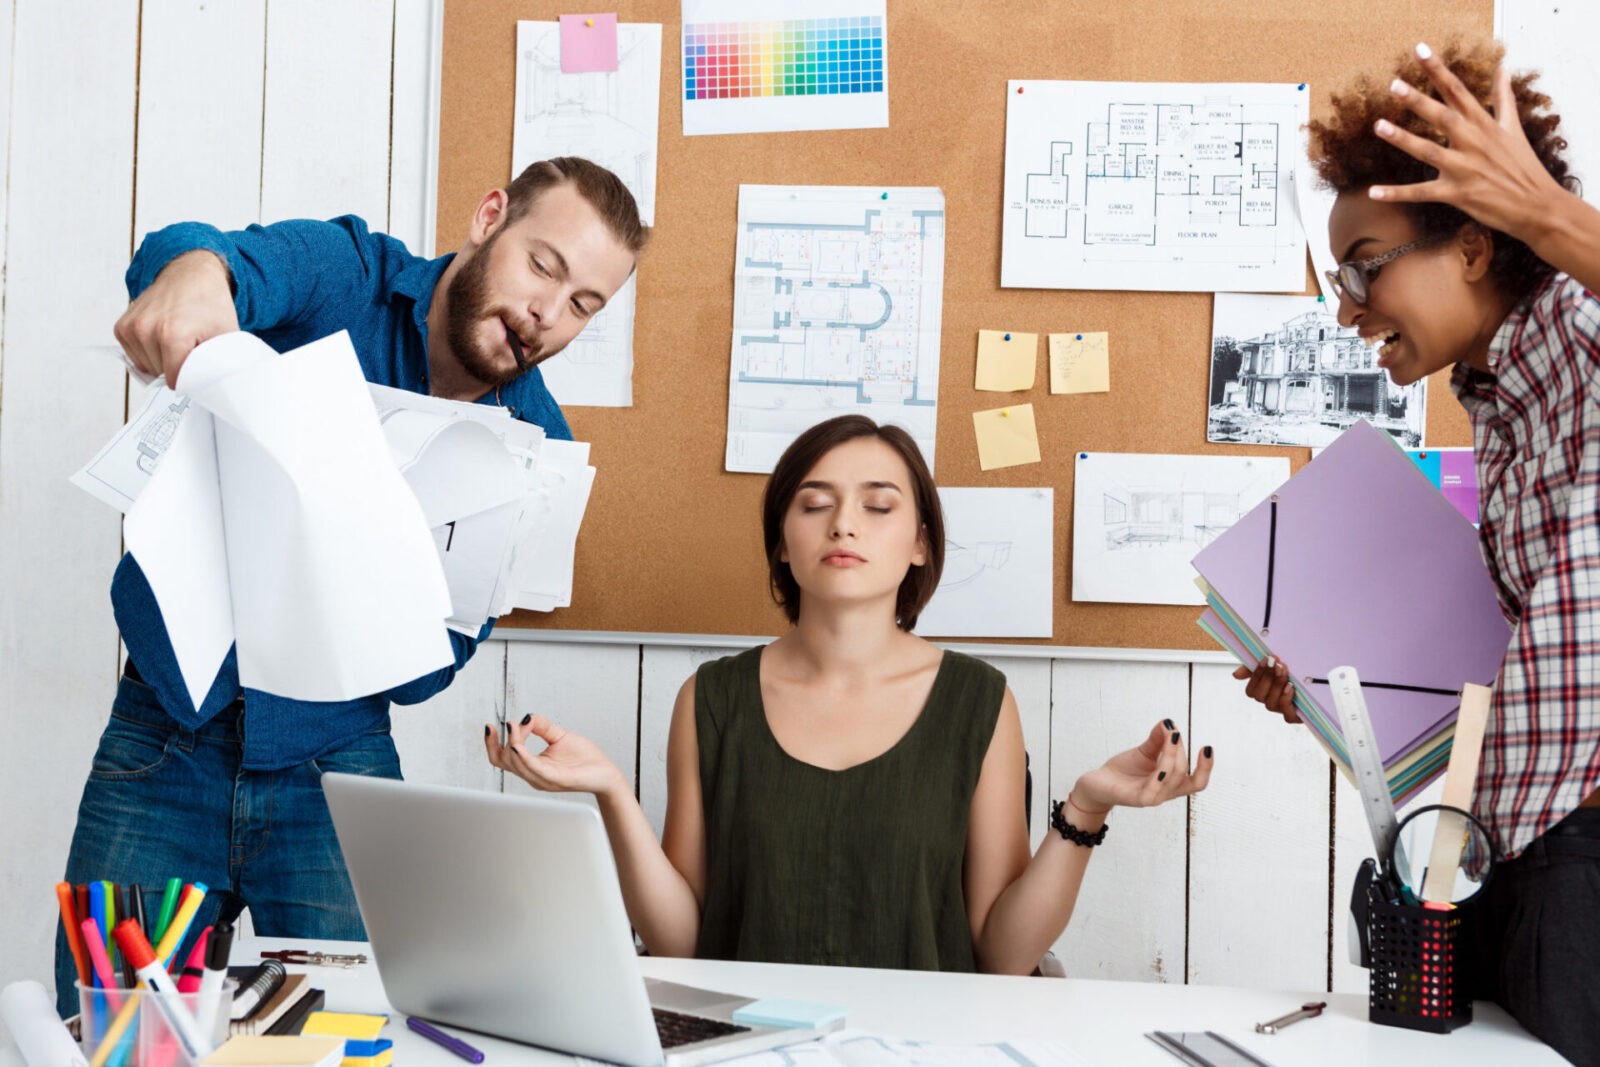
x=676 y=1029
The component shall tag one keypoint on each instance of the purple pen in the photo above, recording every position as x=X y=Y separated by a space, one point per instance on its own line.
x=439 y=1037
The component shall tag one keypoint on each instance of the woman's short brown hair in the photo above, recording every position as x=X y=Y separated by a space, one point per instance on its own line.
x=1349 y=156
x=798 y=460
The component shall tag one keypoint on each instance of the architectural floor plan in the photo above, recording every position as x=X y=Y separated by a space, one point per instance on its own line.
x=1176 y=187
x=837 y=304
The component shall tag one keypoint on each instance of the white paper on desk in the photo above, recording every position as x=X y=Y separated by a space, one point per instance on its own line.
x=856 y=1048
x=998 y=565
x=335 y=586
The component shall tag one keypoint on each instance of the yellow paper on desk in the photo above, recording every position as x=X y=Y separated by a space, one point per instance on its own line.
x=1080 y=363
x=1006 y=360
x=357 y=1027
x=1006 y=436
x=267 y=1050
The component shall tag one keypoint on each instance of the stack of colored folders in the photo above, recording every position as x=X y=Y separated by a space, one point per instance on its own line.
x=1358 y=561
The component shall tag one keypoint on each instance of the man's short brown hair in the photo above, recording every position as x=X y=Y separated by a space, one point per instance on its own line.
x=600 y=187
x=918 y=586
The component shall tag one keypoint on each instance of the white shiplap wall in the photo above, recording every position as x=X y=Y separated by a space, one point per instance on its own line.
x=117 y=118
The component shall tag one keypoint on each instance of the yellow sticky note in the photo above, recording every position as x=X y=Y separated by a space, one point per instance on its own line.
x=1006 y=366
x=1007 y=437
x=1080 y=363
x=356 y=1027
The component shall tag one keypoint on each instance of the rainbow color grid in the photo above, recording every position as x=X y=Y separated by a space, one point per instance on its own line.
x=793 y=57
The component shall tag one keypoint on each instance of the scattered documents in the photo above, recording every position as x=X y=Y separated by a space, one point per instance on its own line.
x=1007 y=361
x=1080 y=363
x=334 y=528
x=999 y=555
x=759 y=66
x=856 y=1048
x=1178 y=187
x=1358 y=561
x=1137 y=520
x=1007 y=437
x=838 y=292
x=588 y=43
x=611 y=116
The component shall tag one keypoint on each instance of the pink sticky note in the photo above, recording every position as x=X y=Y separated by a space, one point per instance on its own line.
x=588 y=42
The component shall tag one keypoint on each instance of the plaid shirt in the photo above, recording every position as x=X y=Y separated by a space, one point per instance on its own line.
x=1536 y=435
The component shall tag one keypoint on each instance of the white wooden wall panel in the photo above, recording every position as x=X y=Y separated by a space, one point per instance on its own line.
x=201 y=71
x=1259 y=846
x=1129 y=921
x=1556 y=38
x=414 y=142
x=325 y=135
x=441 y=740
x=590 y=689
x=662 y=673
x=68 y=217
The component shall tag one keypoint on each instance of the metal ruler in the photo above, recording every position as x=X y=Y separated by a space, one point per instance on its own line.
x=1366 y=763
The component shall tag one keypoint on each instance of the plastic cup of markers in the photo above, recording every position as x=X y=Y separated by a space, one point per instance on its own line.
x=133 y=1027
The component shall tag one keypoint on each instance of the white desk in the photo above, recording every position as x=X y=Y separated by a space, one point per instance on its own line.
x=1103 y=1022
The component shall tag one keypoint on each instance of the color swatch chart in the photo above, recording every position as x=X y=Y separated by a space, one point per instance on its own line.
x=793 y=57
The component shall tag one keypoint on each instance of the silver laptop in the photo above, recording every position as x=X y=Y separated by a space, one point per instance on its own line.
x=504 y=915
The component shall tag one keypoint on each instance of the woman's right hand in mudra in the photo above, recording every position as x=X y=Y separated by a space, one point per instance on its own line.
x=567 y=763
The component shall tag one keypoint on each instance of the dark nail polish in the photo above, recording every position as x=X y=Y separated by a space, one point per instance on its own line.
x=1174 y=737
x=485 y=729
x=1207 y=751
x=1168 y=724
x=526 y=719
x=1161 y=777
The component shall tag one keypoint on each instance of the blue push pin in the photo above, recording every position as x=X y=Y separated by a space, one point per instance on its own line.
x=885 y=196
x=1302 y=87
x=1080 y=337
x=1083 y=455
x=1321 y=299
x=1008 y=337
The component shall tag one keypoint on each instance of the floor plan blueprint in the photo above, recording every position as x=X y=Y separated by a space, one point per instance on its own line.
x=609 y=117
x=838 y=294
x=1177 y=187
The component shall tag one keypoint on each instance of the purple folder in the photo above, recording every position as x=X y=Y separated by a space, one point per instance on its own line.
x=1358 y=560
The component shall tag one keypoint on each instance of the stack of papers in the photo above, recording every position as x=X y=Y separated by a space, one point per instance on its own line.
x=330 y=528
x=1358 y=561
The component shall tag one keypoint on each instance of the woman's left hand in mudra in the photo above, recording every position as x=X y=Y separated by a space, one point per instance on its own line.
x=1153 y=773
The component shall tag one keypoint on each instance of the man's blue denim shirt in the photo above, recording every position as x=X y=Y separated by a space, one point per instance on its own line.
x=295 y=282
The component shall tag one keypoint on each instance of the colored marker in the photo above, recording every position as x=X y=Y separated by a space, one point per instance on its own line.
x=444 y=1040
x=136 y=947
x=100 y=961
x=169 y=904
x=74 y=932
x=189 y=977
x=180 y=923
x=218 y=945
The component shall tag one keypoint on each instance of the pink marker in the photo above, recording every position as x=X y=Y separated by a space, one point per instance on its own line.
x=100 y=961
x=189 y=977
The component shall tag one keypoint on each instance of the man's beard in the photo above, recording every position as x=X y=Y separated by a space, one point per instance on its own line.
x=468 y=305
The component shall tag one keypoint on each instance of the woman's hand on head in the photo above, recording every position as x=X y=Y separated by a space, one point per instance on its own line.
x=1153 y=773
x=1269 y=683
x=1486 y=166
x=568 y=762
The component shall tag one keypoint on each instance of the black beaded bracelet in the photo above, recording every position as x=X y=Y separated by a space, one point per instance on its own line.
x=1059 y=823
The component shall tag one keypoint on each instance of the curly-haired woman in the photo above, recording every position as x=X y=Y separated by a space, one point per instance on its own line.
x=1460 y=242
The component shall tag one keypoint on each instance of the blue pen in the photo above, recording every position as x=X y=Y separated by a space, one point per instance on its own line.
x=439 y=1037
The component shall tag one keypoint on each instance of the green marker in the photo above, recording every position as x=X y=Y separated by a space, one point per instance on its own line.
x=169 y=904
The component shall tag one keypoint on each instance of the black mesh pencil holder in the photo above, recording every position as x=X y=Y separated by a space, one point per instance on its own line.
x=1421 y=955
x=1420 y=967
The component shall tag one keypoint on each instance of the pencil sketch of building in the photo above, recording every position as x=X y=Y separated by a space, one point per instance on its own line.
x=1302 y=380
x=1139 y=516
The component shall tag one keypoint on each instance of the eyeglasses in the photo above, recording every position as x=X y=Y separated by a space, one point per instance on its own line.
x=1350 y=279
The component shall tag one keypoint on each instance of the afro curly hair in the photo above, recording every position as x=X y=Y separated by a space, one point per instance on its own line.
x=1347 y=155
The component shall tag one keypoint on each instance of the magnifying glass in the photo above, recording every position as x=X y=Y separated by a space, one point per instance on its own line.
x=1441 y=854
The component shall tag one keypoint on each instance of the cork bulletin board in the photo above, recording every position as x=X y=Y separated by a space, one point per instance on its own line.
x=671 y=542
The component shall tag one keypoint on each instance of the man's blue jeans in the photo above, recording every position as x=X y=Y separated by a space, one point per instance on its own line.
x=163 y=801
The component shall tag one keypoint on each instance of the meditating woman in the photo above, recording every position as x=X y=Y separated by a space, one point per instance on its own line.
x=850 y=794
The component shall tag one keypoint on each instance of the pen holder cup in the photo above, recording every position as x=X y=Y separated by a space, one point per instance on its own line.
x=140 y=1028
x=1421 y=967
